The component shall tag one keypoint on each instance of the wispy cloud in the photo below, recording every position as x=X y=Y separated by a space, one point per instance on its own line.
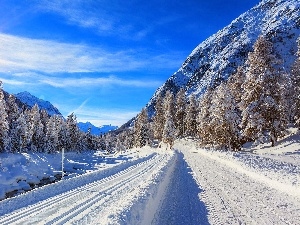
x=102 y=81
x=124 y=19
x=100 y=117
x=61 y=81
x=86 y=14
x=24 y=54
x=80 y=107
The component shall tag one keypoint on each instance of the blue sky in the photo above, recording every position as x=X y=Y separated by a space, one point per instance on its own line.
x=103 y=59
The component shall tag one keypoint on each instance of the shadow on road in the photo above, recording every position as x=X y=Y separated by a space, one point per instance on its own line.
x=182 y=204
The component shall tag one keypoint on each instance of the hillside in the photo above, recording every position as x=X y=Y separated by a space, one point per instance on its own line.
x=218 y=57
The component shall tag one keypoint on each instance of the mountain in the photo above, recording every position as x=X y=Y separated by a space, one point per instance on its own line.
x=30 y=100
x=96 y=130
x=218 y=57
x=19 y=103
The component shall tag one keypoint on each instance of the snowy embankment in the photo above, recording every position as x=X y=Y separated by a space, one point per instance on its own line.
x=22 y=172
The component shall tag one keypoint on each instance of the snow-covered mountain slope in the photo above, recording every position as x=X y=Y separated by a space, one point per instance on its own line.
x=218 y=57
x=31 y=100
x=96 y=130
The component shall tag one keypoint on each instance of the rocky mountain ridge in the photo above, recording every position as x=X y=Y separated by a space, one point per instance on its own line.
x=30 y=100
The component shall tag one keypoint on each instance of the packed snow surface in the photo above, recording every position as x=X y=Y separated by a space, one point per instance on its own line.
x=186 y=185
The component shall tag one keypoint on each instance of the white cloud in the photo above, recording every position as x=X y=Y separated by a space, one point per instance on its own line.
x=100 y=117
x=102 y=81
x=62 y=81
x=23 y=54
x=19 y=54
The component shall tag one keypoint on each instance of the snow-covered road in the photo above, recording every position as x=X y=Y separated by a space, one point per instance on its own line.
x=236 y=194
x=186 y=186
x=112 y=199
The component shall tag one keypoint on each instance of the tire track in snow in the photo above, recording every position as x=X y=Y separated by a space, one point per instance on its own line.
x=181 y=204
x=97 y=190
x=127 y=178
x=234 y=195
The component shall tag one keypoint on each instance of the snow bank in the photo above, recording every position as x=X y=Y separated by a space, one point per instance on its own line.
x=275 y=173
x=21 y=172
x=51 y=190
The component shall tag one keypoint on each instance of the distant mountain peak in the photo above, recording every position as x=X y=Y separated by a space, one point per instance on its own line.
x=96 y=130
x=30 y=100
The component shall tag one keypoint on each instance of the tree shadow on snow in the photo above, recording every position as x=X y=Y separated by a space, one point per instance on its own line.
x=182 y=204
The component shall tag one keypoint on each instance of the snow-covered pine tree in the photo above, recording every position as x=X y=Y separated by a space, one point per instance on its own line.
x=90 y=140
x=261 y=103
x=63 y=134
x=120 y=145
x=52 y=135
x=109 y=143
x=4 y=126
x=73 y=131
x=35 y=128
x=159 y=118
x=129 y=138
x=20 y=140
x=44 y=119
x=295 y=92
x=168 y=105
x=180 y=113
x=225 y=119
x=235 y=83
x=191 y=117
x=141 y=129
x=12 y=117
x=169 y=132
x=205 y=128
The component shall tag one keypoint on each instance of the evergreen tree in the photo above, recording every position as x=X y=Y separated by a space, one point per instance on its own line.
x=12 y=117
x=109 y=145
x=295 y=90
x=35 y=129
x=63 y=134
x=73 y=131
x=129 y=139
x=19 y=141
x=168 y=105
x=141 y=129
x=235 y=83
x=12 y=111
x=52 y=135
x=44 y=120
x=89 y=140
x=169 y=132
x=261 y=103
x=159 y=118
x=205 y=128
x=225 y=119
x=4 y=127
x=180 y=113
x=191 y=117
